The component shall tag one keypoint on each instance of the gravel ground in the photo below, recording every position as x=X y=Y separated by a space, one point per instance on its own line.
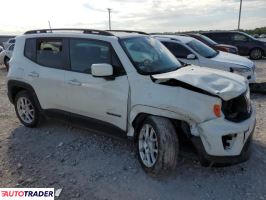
x=261 y=70
x=87 y=165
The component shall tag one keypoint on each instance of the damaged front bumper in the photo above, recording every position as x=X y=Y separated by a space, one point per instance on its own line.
x=223 y=141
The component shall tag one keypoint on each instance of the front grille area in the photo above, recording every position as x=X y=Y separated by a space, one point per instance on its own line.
x=237 y=109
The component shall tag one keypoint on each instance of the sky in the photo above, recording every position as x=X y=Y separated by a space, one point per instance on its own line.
x=17 y=16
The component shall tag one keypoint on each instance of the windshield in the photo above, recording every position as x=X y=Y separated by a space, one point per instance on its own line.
x=202 y=49
x=149 y=56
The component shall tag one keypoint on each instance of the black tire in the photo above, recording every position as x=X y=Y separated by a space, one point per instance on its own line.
x=168 y=146
x=256 y=54
x=6 y=62
x=204 y=162
x=36 y=116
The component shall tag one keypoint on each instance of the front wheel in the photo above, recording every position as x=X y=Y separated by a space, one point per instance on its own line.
x=26 y=110
x=157 y=146
x=256 y=54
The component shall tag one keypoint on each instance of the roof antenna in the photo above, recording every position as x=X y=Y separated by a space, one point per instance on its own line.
x=50 y=26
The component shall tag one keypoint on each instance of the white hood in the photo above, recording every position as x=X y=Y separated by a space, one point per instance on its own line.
x=234 y=59
x=223 y=84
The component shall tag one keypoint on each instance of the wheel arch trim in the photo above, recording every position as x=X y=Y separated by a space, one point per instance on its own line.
x=139 y=112
x=14 y=86
x=262 y=50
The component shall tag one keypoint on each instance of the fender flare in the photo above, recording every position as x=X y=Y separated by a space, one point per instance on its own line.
x=262 y=50
x=14 y=86
x=138 y=110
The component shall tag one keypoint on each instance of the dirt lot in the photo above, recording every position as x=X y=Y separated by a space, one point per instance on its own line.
x=87 y=165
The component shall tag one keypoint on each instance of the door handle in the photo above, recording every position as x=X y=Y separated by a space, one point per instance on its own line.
x=34 y=74
x=74 y=82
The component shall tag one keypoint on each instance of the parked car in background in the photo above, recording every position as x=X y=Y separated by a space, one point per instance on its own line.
x=246 y=44
x=4 y=38
x=256 y=35
x=263 y=36
x=213 y=44
x=192 y=51
x=118 y=78
x=6 y=55
x=9 y=42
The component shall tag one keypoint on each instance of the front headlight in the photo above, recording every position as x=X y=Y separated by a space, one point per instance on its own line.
x=231 y=50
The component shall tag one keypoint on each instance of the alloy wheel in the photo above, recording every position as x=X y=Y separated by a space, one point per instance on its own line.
x=25 y=110
x=256 y=54
x=148 y=145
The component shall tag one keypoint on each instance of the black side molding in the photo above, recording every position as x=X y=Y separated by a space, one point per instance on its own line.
x=113 y=114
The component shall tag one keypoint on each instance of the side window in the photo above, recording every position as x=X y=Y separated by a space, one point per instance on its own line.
x=49 y=52
x=178 y=50
x=220 y=37
x=84 y=53
x=30 y=49
x=11 y=47
x=239 y=37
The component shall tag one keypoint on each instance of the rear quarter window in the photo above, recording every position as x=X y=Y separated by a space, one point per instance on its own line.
x=30 y=49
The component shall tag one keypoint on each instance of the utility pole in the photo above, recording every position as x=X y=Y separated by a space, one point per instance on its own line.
x=50 y=25
x=109 y=14
x=238 y=27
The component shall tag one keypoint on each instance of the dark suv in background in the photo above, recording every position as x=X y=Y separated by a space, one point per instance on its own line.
x=246 y=44
x=213 y=44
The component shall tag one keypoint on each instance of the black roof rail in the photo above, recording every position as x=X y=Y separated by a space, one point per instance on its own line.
x=85 y=31
x=129 y=31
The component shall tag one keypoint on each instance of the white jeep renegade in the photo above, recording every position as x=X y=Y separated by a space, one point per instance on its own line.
x=129 y=83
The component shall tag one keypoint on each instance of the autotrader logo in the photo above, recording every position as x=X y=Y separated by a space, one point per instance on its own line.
x=27 y=193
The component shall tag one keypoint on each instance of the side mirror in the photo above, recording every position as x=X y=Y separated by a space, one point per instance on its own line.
x=101 y=70
x=191 y=57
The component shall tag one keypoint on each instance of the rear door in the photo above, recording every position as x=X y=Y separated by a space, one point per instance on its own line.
x=95 y=97
x=46 y=72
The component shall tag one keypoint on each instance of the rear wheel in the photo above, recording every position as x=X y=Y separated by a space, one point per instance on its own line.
x=256 y=54
x=157 y=146
x=6 y=62
x=26 y=110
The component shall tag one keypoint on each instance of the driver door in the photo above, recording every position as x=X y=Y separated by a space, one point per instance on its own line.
x=99 y=98
x=242 y=42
